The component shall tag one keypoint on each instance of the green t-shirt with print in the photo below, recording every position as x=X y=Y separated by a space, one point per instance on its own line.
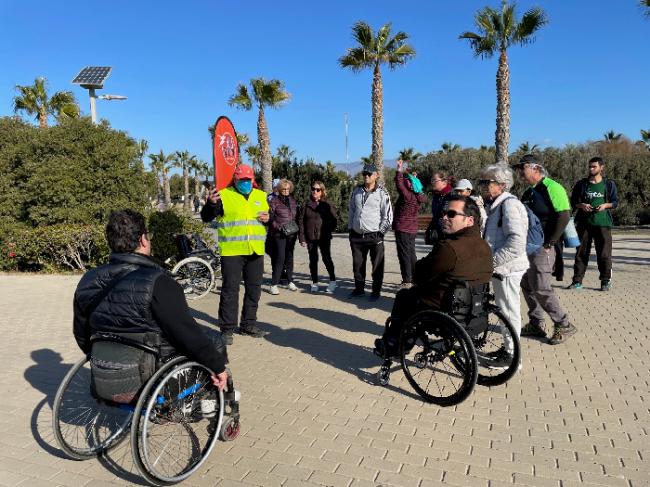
x=595 y=196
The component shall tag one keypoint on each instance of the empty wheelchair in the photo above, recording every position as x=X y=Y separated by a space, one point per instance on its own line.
x=445 y=354
x=173 y=422
x=197 y=265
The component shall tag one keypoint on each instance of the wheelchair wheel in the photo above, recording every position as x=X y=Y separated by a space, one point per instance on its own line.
x=195 y=276
x=172 y=435
x=497 y=349
x=438 y=358
x=85 y=426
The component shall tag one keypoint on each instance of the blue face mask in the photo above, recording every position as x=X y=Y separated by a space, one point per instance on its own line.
x=244 y=186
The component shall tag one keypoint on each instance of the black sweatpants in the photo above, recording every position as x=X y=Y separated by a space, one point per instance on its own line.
x=602 y=238
x=325 y=247
x=362 y=245
x=405 y=243
x=233 y=268
x=282 y=258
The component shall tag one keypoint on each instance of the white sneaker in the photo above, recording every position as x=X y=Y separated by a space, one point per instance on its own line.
x=274 y=290
x=314 y=288
x=292 y=287
x=331 y=287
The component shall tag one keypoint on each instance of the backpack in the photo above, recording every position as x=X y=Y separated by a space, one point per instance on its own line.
x=535 y=235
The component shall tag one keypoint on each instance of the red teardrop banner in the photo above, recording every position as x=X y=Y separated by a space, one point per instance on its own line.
x=225 y=152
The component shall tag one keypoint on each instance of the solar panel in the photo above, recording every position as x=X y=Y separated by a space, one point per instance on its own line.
x=92 y=76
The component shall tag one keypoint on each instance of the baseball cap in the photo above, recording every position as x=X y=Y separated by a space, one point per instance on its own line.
x=369 y=168
x=244 y=171
x=464 y=184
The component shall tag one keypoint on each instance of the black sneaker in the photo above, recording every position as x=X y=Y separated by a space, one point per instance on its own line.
x=357 y=293
x=533 y=330
x=251 y=330
x=375 y=296
x=575 y=285
x=562 y=333
x=497 y=360
x=226 y=336
x=605 y=285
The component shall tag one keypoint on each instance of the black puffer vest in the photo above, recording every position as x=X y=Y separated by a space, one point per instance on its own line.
x=127 y=307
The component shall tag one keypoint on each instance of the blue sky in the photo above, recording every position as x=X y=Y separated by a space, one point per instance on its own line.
x=178 y=63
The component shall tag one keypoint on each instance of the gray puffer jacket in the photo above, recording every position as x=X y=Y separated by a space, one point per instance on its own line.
x=370 y=211
x=508 y=240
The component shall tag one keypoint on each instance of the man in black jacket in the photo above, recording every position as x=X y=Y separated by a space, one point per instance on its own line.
x=133 y=296
x=594 y=197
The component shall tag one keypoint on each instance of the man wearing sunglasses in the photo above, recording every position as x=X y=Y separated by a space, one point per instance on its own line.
x=370 y=218
x=461 y=255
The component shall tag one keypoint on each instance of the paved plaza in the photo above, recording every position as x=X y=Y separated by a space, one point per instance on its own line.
x=577 y=414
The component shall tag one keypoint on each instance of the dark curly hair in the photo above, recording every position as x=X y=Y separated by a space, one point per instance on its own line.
x=124 y=229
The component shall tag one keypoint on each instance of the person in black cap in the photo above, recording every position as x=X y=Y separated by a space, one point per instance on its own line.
x=548 y=200
x=370 y=217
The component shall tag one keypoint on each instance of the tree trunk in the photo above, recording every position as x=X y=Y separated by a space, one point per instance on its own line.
x=502 y=134
x=42 y=119
x=265 y=149
x=197 y=186
x=186 y=188
x=378 y=122
x=166 y=190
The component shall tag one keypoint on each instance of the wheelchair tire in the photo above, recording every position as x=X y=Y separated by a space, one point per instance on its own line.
x=195 y=276
x=83 y=425
x=171 y=438
x=495 y=339
x=431 y=345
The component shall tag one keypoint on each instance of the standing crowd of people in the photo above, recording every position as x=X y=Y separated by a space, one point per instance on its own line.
x=479 y=238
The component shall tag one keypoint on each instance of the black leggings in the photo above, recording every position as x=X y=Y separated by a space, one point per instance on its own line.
x=325 y=251
x=282 y=257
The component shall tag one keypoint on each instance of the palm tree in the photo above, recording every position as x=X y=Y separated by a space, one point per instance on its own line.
x=645 y=136
x=255 y=155
x=34 y=100
x=371 y=52
x=184 y=161
x=448 y=147
x=264 y=94
x=612 y=136
x=526 y=148
x=160 y=163
x=497 y=31
x=408 y=154
x=142 y=146
x=284 y=153
x=200 y=168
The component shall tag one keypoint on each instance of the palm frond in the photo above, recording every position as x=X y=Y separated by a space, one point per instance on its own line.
x=356 y=59
x=383 y=37
x=362 y=33
x=531 y=22
x=241 y=99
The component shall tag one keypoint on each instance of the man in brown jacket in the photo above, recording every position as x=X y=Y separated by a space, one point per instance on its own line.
x=462 y=255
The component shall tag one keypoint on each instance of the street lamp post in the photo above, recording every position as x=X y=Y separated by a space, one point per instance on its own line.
x=92 y=78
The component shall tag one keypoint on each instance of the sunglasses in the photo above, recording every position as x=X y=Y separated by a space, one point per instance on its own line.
x=318 y=190
x=452 y=213
x=434 y=181
x=485 y=182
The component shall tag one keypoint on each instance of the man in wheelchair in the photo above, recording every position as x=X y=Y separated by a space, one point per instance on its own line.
x=462 y=255
x=134 y=298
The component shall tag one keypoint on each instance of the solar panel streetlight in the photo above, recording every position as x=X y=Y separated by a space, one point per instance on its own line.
x=92 y=78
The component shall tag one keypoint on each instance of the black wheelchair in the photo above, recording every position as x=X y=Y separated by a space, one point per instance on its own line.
x=174 y=422
x=444 y=354
x=197 y=265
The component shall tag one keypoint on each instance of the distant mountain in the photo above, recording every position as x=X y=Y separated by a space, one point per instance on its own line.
x=353 y=168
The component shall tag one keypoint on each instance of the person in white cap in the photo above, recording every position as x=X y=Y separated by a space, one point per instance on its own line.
x=465 y=188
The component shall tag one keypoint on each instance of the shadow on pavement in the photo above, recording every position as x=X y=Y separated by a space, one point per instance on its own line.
x=339 y=354
x=336 y=319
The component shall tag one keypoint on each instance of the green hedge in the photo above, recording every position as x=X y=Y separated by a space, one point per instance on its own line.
x=74 y=247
